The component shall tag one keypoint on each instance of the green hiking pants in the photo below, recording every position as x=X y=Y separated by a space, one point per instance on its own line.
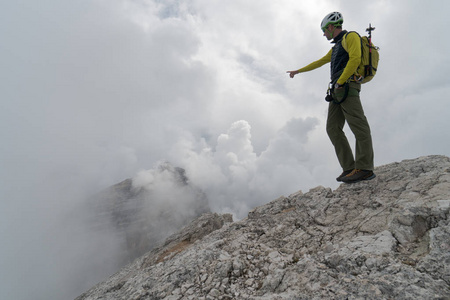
x=350 y=110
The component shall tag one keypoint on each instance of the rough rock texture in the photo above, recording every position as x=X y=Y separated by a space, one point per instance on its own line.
x=141 y=215
x=388 y=238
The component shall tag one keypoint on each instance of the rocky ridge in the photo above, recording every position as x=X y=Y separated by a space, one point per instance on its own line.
x=388 y=238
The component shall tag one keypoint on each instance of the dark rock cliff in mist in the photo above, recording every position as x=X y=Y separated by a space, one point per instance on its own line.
x=143 y=212
x=388 y=238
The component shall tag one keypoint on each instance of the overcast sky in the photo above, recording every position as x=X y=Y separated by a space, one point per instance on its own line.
x=93 y=92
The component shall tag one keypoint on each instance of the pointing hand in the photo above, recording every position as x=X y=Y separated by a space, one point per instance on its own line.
x=292 y=73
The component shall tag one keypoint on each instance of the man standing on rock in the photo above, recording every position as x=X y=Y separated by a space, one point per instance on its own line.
x=345 y=104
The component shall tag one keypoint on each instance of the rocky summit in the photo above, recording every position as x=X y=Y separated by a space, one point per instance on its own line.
x=388 y=238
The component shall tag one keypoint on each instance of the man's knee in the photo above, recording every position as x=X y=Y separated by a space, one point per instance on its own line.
x=334 y=132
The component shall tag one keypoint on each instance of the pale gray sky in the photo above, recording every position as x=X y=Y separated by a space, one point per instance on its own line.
x=93 y=92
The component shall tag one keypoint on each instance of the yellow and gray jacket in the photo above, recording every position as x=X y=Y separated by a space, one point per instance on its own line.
x=345 y=57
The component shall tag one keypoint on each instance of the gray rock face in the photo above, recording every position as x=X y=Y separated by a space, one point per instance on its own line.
x=145 y=210
x=388 y=238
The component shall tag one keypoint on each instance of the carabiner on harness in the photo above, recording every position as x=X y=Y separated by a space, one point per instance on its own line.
x=356 y=78
x=329 y=97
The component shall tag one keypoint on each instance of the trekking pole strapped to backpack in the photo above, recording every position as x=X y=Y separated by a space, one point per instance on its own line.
x=370 y=68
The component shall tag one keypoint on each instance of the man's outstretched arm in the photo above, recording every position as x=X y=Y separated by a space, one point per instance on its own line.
x=314 y=65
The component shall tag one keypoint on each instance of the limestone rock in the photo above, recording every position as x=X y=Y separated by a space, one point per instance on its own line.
x=388 y=238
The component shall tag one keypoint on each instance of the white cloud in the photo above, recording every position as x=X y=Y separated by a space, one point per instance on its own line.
x=237 y=179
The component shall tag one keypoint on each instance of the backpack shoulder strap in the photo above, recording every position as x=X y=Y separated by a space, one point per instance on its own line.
x=344 y=40
x=351 y=32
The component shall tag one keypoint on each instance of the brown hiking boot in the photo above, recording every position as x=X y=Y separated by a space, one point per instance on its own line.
x=357 y=175
x=345 y=173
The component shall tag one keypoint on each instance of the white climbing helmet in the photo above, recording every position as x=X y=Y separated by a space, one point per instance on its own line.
x=334 y=18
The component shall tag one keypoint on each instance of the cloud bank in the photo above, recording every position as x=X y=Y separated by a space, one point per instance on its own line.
x=236 y=178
